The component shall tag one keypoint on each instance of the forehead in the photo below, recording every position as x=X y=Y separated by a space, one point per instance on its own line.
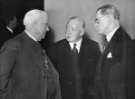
x=75 y=22
x=108 y=12
x=99 y=14
x=42 y=20
x=43 y=17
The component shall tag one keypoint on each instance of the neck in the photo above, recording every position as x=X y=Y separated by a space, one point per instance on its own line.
x=76 y=40
x=112 y=28
x=31 y=34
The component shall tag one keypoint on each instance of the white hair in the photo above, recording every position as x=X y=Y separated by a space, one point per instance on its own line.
x=33 y=15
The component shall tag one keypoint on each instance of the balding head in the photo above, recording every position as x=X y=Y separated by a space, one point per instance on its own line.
x=35 y=22
x=78 y=19
x=109 y=9
x=75 y=29
x=34 y=15
x=107 y=19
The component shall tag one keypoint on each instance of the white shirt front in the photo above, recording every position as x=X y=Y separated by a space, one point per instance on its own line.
x=10 y=29
x=78 y=44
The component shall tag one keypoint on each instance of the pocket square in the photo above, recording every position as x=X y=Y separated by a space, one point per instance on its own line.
x=109 y=55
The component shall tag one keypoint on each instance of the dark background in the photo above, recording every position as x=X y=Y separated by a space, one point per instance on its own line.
x=18 y=8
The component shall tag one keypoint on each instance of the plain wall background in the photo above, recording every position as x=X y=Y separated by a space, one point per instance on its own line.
x=60 y=10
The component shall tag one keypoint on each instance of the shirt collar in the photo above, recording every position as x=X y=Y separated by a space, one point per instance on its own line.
x=78 y=44
x=9 y=29
x=32 y=37
x=110 y=35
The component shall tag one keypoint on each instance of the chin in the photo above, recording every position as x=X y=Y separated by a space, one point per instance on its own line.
x=68 y=40
x=99 y=32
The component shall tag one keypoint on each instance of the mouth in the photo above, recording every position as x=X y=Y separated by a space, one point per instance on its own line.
x=67 y=37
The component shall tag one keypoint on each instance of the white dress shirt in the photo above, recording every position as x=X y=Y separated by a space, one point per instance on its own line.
x=10 y=29
x=78 y=45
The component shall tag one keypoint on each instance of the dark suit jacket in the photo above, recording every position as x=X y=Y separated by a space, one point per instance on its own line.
x=114 y=68
x=26 y=72
x=5 y=35
x=61 y=55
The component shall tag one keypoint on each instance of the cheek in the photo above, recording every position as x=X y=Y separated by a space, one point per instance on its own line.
x=102 y=25
x=43 y=29
x=73 y=36
x=99 y=28
x=76 y=36
x=43 y=35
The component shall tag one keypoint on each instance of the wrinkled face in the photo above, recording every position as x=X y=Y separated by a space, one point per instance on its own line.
x=102 y=23
x=41 y=27
x=74 y=31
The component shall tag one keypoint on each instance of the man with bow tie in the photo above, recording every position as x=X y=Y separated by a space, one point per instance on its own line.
x=75 y=58
x=114 y=72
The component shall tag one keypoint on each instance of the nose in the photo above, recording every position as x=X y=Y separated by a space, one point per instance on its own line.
x=68 y=31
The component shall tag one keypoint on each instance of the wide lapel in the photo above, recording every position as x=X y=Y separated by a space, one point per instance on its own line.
x=67 y=46
x=83 y=46
x=108 y=50
x=112 y=43
x=67 y=54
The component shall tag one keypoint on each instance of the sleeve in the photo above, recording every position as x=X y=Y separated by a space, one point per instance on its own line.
x=8 y=55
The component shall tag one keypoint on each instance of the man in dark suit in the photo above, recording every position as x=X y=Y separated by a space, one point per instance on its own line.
x=114 y=71
x=7 y=31
x=25 y=70
x=75 y=59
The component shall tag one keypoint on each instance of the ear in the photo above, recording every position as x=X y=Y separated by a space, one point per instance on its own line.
x=82 y=32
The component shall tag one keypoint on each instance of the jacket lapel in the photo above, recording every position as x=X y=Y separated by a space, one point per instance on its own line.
x=108 y=49
x=116 y=37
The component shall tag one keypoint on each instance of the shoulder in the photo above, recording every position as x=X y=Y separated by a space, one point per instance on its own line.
x=61 y=42
x=58 y=44
x=90 y=45
x=57 y=47
x=12 y=44
x=89 y=42
x=122 y=35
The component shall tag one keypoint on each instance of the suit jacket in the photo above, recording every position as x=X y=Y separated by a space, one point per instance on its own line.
x=114 y=75
x=76 y=82
x=26 y=72
x=5 y=35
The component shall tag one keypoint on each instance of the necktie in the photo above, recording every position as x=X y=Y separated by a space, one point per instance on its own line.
x=75 y=49
x=77 y=73
x=105 y=43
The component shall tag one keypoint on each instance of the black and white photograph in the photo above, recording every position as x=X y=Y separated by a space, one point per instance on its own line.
x=67 y=49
